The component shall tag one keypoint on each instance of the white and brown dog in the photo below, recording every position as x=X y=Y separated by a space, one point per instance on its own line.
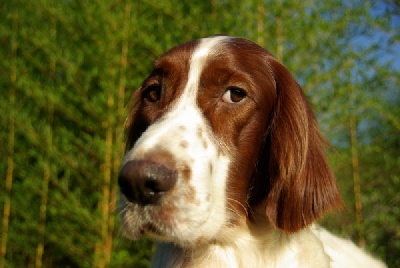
x=225 y=164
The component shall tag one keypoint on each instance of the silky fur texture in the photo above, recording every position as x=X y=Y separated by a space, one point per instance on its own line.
x=251 y=173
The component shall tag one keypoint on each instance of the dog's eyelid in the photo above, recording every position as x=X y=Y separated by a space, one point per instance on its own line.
x=152 y=92
x=234 y=94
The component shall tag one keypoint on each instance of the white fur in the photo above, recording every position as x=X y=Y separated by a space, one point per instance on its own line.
x=268 y=247
x=204 y=214
x=344 y=253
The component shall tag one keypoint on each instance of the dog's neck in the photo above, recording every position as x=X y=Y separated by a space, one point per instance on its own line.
x=238 y=247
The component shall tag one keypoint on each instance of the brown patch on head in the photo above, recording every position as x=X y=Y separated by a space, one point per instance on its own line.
x=170 y=75
x=241 y=126
x=272 y=135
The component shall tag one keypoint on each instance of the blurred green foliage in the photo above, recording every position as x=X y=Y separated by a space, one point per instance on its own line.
x=68 y=68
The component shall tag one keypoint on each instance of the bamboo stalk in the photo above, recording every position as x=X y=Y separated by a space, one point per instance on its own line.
x=355 y=163
x=8 y=188
x=120 y=119
x=356 y=181
x=42 y=215
x=214 y=10
x=279 y=32
x=10 y=147
x=46 y=167
x=260 y=23
x=104 y=206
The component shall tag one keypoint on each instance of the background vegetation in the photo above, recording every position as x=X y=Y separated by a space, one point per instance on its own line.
x=68 y=67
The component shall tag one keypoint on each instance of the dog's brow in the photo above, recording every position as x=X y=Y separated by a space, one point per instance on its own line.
x=225 y=183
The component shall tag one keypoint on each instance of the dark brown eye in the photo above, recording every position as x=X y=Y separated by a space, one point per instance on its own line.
x=152 y=93
x=233 y=95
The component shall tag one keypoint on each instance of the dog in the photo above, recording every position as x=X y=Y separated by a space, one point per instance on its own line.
x=225 y=164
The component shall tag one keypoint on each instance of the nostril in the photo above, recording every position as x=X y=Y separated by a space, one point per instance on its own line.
x=152 y=185
x=144 y=182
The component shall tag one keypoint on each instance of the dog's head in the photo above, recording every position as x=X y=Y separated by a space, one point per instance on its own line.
x=219 y=128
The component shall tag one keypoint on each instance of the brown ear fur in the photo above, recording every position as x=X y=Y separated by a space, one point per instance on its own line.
x=302 y=185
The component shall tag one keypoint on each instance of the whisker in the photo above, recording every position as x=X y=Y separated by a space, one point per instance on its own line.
x=238 y=202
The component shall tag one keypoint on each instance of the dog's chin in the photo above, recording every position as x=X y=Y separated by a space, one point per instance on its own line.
x=158 y=224
x=139 y=227
x=152 y=231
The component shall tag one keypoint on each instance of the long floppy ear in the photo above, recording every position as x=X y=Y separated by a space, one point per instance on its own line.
x=134 y=124
x=302 y=186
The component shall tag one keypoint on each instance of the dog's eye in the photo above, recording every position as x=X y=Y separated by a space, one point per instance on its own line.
x=152 y=93
x=233 y=95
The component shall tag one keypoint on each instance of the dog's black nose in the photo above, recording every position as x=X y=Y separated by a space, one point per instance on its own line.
x=144 y=182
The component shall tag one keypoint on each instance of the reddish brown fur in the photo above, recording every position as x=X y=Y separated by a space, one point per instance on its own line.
x=300 y=184
x=242 y=126
x=170 y=72
x=276 y=149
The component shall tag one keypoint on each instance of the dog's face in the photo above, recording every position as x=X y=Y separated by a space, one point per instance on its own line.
x=201 y=151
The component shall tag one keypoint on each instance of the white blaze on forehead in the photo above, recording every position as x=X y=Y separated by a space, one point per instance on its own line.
x=184 y=123
x=184 y=111
x=197 y=63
